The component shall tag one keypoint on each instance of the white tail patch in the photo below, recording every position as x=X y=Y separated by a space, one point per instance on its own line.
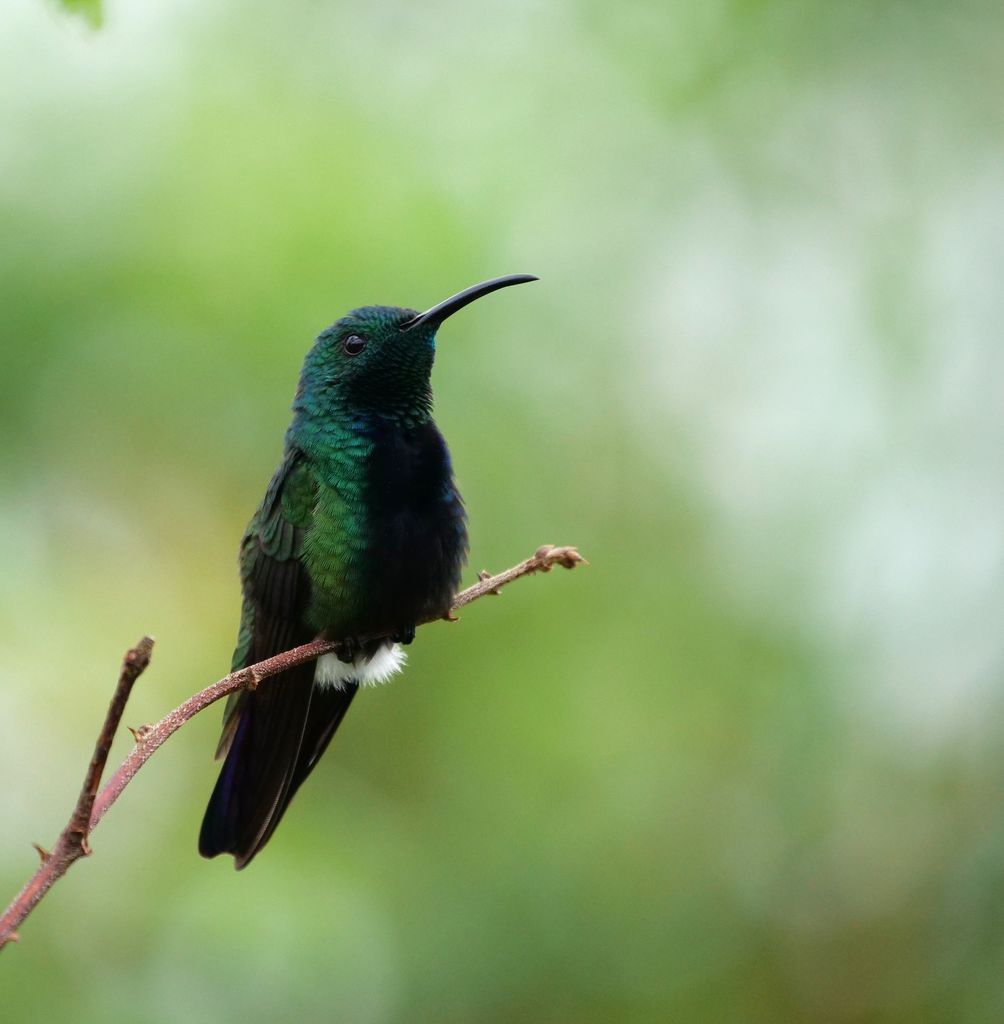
x=387 y=661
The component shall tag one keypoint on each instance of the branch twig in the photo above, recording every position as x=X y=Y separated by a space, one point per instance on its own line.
x=72 y=843
x=91 y=806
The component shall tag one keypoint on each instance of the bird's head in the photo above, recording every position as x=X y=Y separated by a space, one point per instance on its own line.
x=378 y=359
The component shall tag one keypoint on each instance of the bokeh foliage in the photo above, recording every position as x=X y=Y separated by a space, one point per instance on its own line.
x=89 y=10
x=748 y=765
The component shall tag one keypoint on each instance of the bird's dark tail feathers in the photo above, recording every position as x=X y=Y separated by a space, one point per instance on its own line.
x=281 y=729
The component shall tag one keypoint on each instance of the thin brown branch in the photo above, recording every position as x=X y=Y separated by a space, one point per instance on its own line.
x=133 y=666
x=544 y=559
x=72 y=842
x=92 y=806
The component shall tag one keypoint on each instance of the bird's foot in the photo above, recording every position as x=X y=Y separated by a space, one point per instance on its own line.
x=404 y=635
x=348 y=649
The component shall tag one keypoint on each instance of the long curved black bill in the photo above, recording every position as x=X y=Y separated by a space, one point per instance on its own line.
x=449 y=306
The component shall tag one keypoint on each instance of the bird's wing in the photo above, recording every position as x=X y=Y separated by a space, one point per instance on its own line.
x=271 y=735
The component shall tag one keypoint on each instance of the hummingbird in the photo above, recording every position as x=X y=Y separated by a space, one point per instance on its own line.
x=362 y=533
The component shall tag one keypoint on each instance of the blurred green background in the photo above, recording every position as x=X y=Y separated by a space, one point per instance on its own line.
x=748 y=765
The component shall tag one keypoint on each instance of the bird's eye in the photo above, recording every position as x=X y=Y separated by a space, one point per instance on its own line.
x=353 y=345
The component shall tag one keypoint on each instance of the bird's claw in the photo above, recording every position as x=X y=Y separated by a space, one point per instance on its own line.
x=348 y=649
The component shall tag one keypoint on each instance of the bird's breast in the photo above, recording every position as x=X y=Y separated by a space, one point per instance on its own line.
x=386 y=549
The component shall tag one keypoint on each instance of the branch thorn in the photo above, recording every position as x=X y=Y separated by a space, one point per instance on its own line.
x=486 y=575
